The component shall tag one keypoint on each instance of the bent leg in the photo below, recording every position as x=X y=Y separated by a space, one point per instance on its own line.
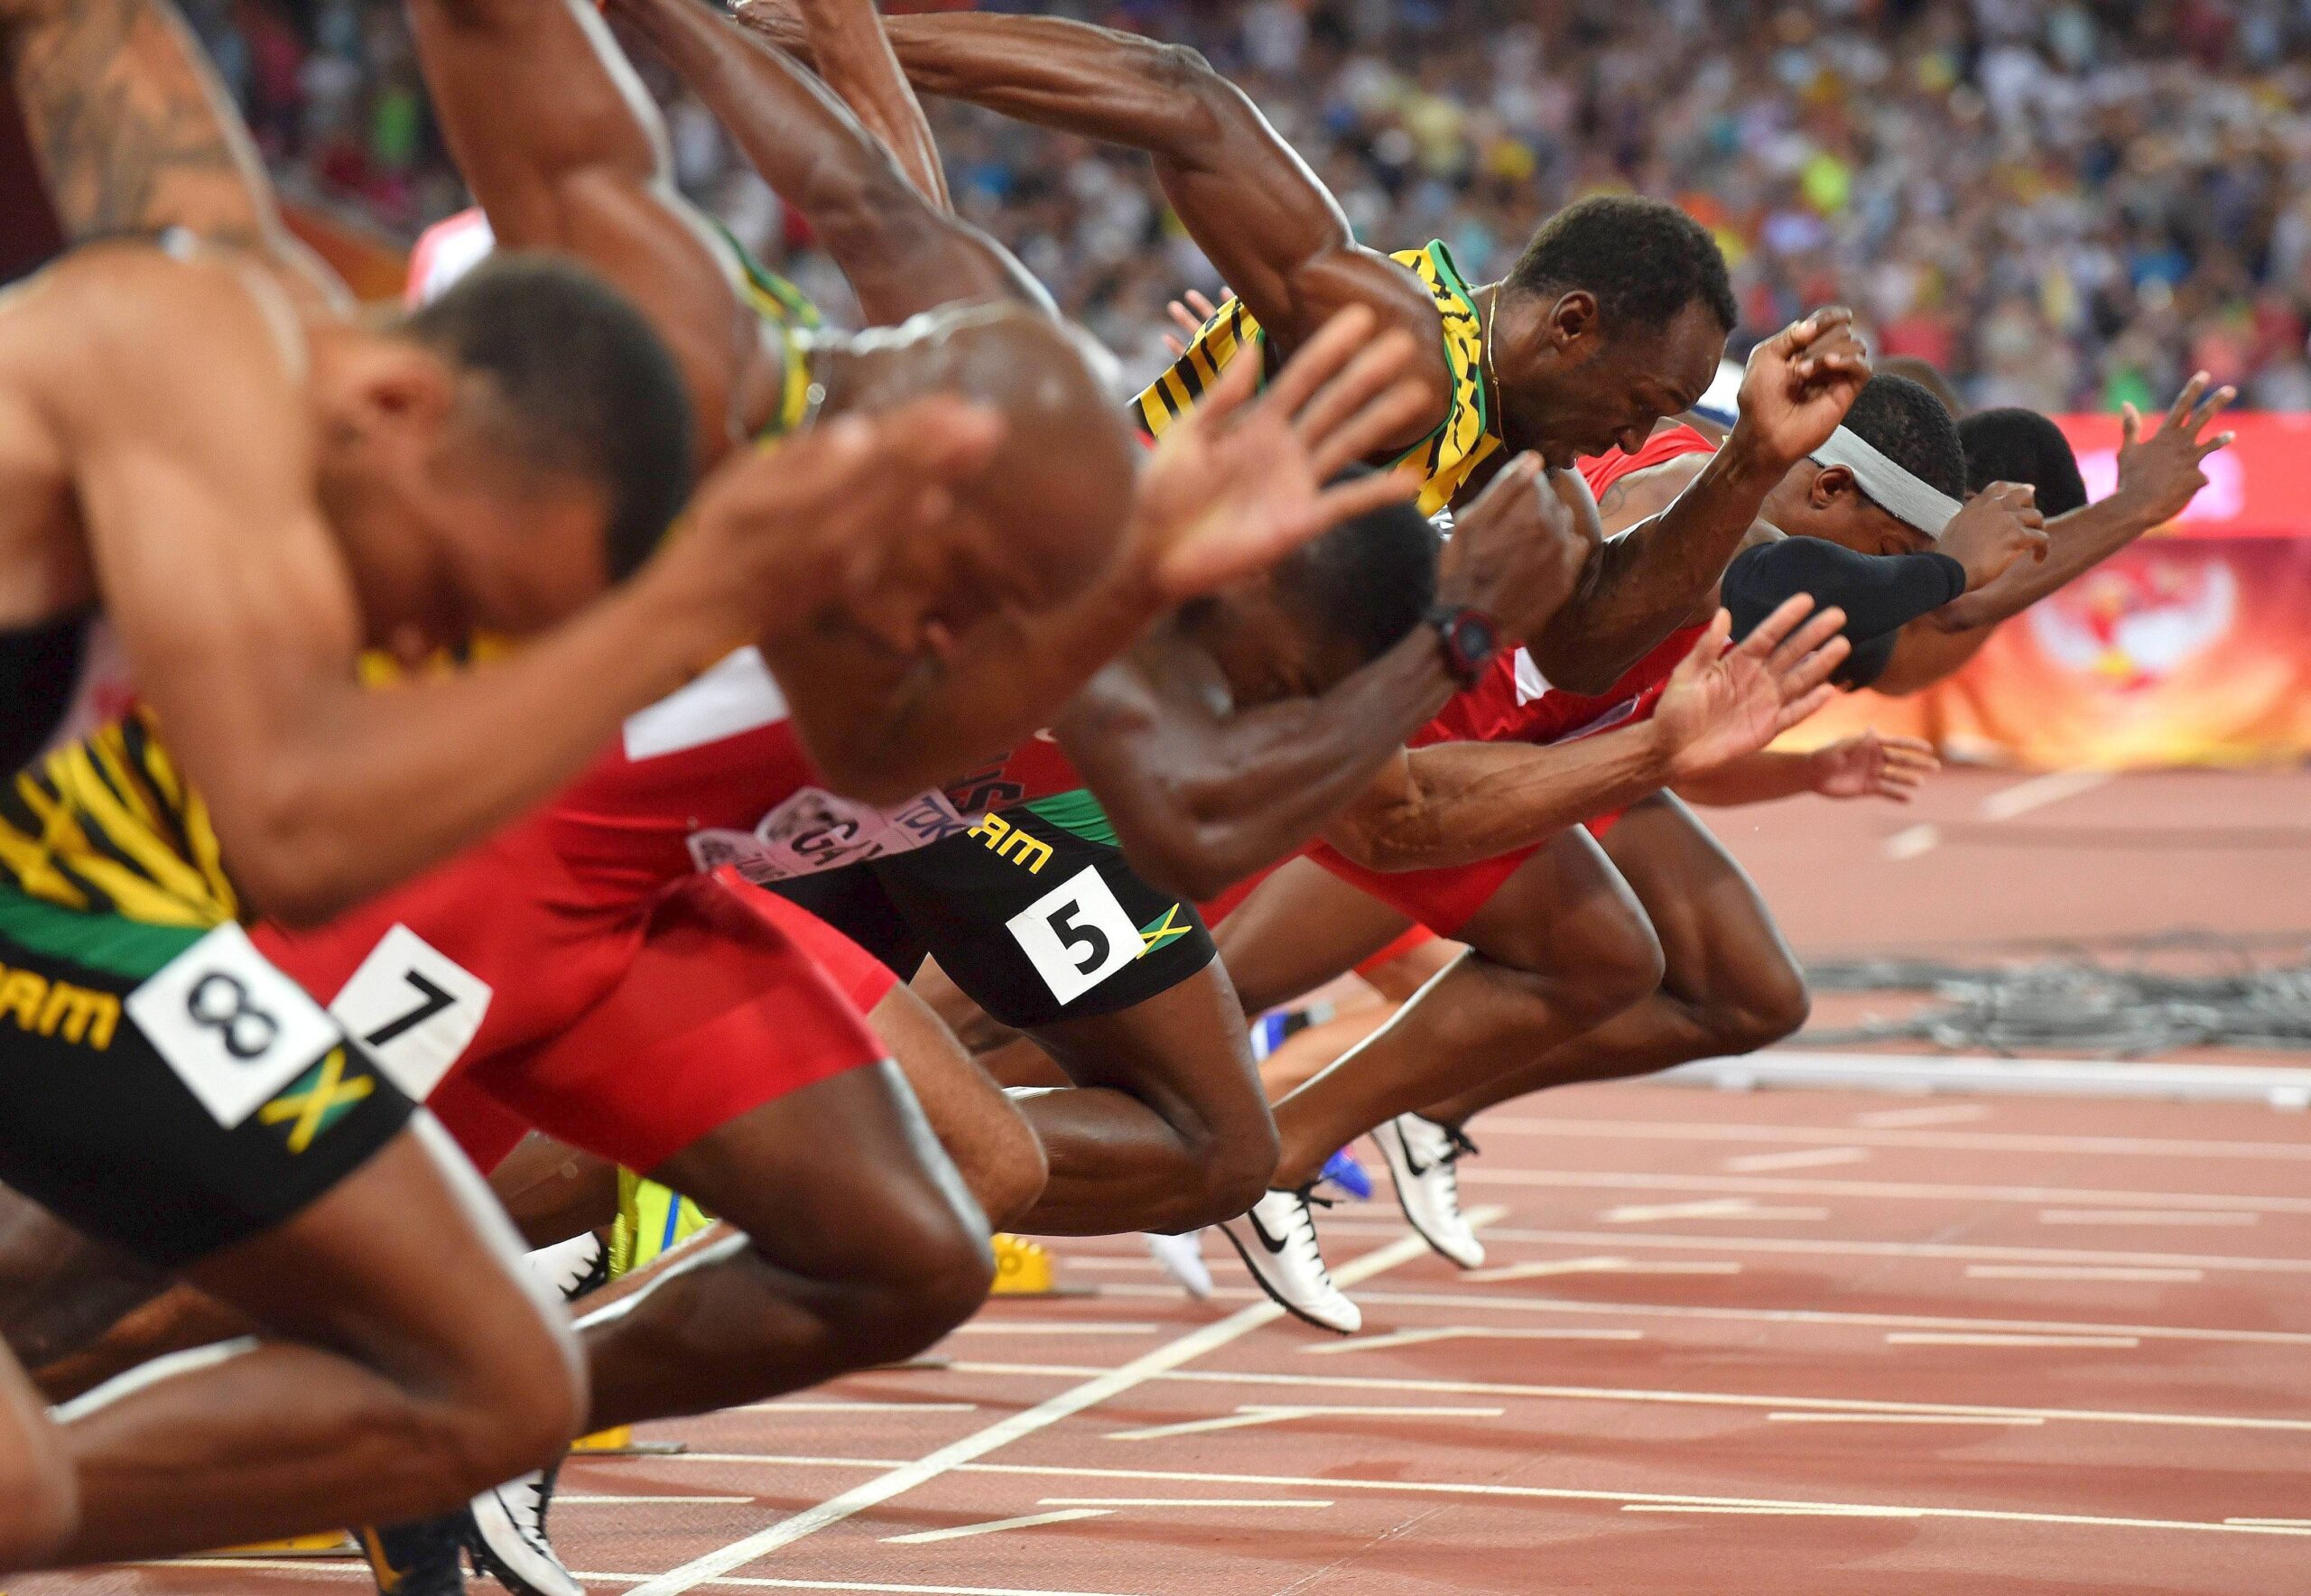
x=982 y=1131
x=39 y=1506
x=1299 y=929
x=1166 y=1127
x=388 y=1397
x=1560 y=947
x=1730 y=984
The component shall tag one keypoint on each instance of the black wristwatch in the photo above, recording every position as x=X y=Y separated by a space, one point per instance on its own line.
x=1470 y=638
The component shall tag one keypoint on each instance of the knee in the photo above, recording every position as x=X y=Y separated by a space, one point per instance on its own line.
x=1010 y=1173
x=1619 y=965
x=1766 y=1009
x=513 y=1405
x=932 y=1270
x=40 y=1510
x=1233 y=1168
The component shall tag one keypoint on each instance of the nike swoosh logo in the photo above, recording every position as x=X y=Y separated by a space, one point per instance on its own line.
x=1266 y=1240
x=1413 y=1167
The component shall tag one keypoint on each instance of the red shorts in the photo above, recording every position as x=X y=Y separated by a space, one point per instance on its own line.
x=734 y=1000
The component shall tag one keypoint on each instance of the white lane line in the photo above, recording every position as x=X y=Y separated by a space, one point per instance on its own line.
x=1055 y=1327
x=1803 y=1158
x=1928 y=1191
x=1965 y=1141
x=1261 y=1502
x=1944 y=1338
x=1908 y=1118
x=1714 y=1208
x=2273 y=1523
x=1836 y=1246
x=1911 y=841
x=1817 y=1511
x=791 y=1405
x=1514 y=1492
x=1601 y=1265
x=1453 y=1332
x=1115 y=1382
x=562 y=1500
x=923 y=1538
x=356 y=1570
x=2021 y=799
x=2081 y=1272
x=1904 y=1418
x=1250 y=1415
x=2143 y=1216
x=1433 y=1388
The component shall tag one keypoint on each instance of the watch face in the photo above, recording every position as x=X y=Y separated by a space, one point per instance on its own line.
x=1472 y=638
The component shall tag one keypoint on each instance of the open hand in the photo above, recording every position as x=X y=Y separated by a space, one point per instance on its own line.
x=1722 y=704
x=1870 y=766
x=2161 y=474
x=1240 y=481
x=1799 y=386
x=1995 y=528
x=1188 y=317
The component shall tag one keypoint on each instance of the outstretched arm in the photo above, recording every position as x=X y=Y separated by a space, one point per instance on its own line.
x=855 y=58
x=903 y=252
x=1273 y=231
x=135 y=136
x=562 y=147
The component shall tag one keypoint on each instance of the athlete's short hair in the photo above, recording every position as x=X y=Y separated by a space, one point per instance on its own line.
x=1367 y=583
x=585 y=386
x=1645 y=260
x=2022 y=446
x=1908 y=425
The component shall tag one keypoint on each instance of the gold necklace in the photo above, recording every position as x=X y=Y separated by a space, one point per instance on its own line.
x=1492 y=319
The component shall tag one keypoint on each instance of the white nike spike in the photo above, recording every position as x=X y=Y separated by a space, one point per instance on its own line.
x=1278 y=1242
x=1182 y=1257
x=509 y=1525
x=1423 y=1160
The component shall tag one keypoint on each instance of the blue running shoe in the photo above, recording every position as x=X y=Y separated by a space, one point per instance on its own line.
x=1343 y=1172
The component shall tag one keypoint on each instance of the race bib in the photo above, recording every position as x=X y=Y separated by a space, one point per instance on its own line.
x=413 y=1008
x=235 y=1029
x=815 y=830
x=1076 y=935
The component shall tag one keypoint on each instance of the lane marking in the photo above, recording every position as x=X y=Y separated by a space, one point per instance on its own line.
x=1943 y=1338
x=2274 y=1523
x=1451 y=1332
x=1506 y=1302
x=2079 y=1272
x=2142 y=1216
x=1250 y=1415
x=1896 y=1135
x=1911 y=841
x=1904 y=1418
x=1517 y=1493
x=1262 y=1502
x=790 y=1405
x=923 y=1538
x=2039 y=792
x=562 y=1500
x=1759 y=1186
x=361 y=1571
x=1055 y=1327
x=1903 y=1118
x=903 y=1478
x=1788 y=1512
x=1838 y=1246
x=1715 y=1208
x=1600 y=1265
x=1803 y=1158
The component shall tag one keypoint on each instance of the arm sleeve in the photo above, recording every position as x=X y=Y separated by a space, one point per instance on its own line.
x=1879 y=593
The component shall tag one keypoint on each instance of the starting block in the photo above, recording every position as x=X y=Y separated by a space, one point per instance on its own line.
x=618 y=1442
x=335 y=1542
x=1024 y=1269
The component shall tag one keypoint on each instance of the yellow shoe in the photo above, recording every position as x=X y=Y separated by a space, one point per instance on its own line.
x=651 y=1219
x=1022 y=1267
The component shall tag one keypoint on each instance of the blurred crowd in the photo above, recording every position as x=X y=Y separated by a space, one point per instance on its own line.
x=2062 y=203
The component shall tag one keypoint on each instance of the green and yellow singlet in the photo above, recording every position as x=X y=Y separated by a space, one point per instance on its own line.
x=1465 y=438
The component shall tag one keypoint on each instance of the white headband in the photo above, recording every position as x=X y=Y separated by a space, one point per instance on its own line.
x=1889 y=484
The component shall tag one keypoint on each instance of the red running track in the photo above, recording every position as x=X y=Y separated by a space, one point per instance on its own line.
x=1807 y=1343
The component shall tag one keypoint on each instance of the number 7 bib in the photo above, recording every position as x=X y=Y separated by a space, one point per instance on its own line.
x=1076 y=935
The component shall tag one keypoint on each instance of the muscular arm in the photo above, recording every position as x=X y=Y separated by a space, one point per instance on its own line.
x=903 y=252
x=564 y=149
x=1203 y=797
x=135 y=135
x=855 y=58
x=1455 y=803
x=1271 y=229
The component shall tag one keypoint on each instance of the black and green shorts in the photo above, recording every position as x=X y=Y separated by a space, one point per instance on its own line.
x=167 y=1090
x=1034 y=913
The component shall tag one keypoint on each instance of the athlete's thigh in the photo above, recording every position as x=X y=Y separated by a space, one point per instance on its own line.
x=1565 y=901
x=1716 y=932
x=961 y=1100
x=1298 y=929
x=1184 y=1052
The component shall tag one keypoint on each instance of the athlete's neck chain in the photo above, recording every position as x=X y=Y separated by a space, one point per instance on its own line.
x=1492 y=321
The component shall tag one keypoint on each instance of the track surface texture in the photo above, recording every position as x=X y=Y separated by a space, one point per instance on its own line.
x=1787 y=1341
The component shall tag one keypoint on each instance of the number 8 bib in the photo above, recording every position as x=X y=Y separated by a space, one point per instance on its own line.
x=1076 y=935
x=235 y=1029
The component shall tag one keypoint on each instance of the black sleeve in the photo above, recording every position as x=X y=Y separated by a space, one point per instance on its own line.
x=1879 y=593
x=1868 y=660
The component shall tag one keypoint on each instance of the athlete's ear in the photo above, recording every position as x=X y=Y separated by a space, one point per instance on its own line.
x=1572 y=318
x=402 y=385
x=1831 y=483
